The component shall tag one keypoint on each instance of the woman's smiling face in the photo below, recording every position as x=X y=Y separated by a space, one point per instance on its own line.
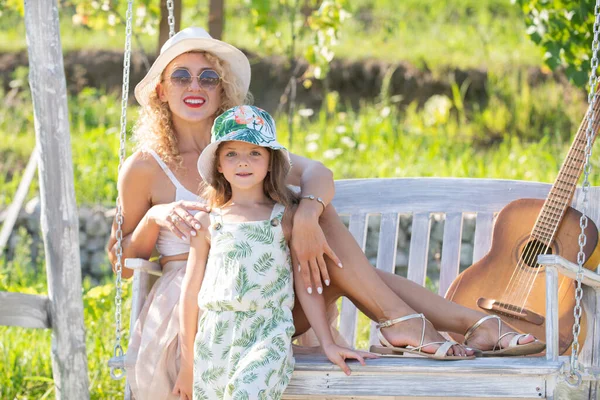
x=190 y=103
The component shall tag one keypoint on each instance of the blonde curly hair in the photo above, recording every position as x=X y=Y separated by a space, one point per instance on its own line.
x=154 y=127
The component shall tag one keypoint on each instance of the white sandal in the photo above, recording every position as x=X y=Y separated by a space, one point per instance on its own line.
x=513 y=349
x=388 y=349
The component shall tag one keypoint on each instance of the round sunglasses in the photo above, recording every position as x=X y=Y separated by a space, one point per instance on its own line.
x=207 y=80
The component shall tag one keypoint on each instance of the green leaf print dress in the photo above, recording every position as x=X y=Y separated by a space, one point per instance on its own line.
x=243 y=346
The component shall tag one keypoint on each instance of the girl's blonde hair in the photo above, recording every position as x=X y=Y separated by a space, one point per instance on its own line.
x=154 y=127
x=219 y=193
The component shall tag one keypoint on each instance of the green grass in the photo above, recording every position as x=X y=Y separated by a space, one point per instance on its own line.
x=523 y=133
x=430 y=34
x=25 y=369
x=524 y=136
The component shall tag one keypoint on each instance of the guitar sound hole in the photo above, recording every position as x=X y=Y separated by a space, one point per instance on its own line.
x=532 y=250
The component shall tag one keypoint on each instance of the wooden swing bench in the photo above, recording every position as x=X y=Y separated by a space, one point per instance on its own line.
x=401 y=378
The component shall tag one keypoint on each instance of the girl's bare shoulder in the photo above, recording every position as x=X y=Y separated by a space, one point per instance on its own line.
x=204 y=218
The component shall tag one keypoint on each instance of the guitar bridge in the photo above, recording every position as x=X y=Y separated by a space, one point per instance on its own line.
x=510 y=310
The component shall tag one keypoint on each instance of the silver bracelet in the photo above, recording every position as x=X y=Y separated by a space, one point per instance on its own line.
x=320 y=200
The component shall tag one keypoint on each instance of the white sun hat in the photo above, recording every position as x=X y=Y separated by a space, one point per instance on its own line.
x=194 y=39
x=248 y=124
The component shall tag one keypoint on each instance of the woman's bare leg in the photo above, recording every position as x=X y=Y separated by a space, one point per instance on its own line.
x=383 y=296
x=359 y=281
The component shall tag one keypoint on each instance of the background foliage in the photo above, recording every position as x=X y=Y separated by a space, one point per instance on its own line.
x=564 y=29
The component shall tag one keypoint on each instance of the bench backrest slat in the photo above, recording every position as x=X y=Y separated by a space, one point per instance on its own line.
x=450 y=262
x=349 y=314
x=348 y=321
x=419 y=247
x=484 y=225
x=358 y=228
x=388 y=241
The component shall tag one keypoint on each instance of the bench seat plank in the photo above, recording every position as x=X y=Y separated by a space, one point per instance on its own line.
x=494 y=377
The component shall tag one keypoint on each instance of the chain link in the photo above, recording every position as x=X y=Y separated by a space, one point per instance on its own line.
x=574 y=375
x=171 y=18
x=118 y=349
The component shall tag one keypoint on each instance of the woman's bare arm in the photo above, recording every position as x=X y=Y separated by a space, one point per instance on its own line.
x=308 y=242
x=142 y=219
x=135 y=197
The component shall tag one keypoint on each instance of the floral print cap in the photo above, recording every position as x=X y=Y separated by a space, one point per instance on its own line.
x=244 y=124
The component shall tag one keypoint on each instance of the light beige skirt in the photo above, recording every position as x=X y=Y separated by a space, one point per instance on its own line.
x=152 y=361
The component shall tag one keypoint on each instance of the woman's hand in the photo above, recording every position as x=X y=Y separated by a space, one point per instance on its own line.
x=308 y=245
x=337 y=355
x=183 y=385
x=177 y=218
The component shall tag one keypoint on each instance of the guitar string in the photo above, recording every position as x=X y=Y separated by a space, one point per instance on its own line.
x=594 y=128
x=577 y=171
x=561 y=185
x=530 y=256
x=543 y=232
x=548 y=233
x=516 y=280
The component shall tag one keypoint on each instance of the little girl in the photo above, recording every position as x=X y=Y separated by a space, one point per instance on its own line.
x=239 y=270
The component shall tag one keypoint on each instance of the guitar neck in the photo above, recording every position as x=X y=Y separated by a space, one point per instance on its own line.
x=561 y=194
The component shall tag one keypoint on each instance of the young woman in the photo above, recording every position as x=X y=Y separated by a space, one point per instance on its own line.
x=193 y=80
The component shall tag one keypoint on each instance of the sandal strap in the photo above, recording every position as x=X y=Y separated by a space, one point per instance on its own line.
x=383 y=340
x=441 y=351
x=478 y=324
x=513 y=342
x=390 y=322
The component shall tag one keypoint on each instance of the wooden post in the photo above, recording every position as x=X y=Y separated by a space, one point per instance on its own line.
x=551 y=313
x=216 y=18
x=59 y=222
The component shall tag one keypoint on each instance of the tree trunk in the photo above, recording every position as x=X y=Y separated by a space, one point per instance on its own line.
x=163 y=30
x=59 y=221
x=216 y=18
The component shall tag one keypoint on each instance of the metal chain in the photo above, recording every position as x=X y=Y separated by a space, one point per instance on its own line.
x=574 y=374
x=171 y=18
x=118 y=349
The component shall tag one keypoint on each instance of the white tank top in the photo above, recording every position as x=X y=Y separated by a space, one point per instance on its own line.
x=168 y=243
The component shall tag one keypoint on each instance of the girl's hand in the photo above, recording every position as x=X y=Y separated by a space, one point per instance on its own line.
x=183 y=385
x=308 y=245
x=337 y=355
x=177 y=218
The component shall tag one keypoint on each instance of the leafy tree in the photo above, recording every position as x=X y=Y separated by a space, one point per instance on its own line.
x=315 y=20
x=564 y=30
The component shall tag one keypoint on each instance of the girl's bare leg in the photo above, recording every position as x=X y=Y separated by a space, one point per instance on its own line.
x=383 y=296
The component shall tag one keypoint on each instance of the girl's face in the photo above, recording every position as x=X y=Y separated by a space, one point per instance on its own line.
x=244 y=165
x=192 y=101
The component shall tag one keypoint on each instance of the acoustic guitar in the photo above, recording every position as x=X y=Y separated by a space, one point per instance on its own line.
x=508 y=281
